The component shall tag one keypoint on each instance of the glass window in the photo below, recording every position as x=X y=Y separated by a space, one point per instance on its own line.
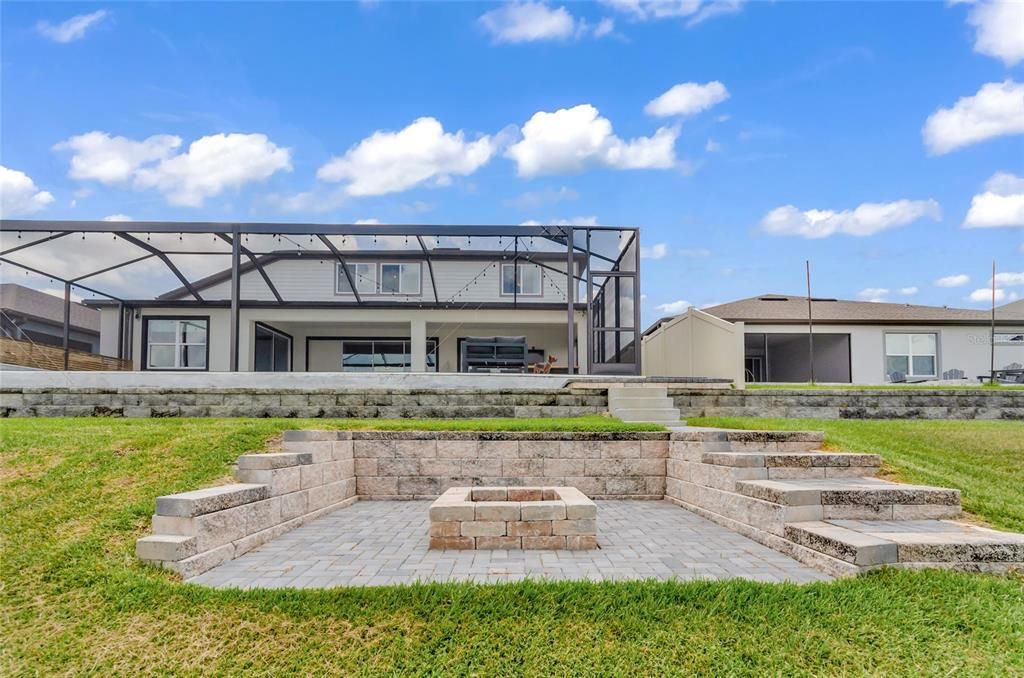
x=273 y=350
x=365 y=275
x=524 y=279
x=399 y=278
x=910 y=355
x=383 y=355
x=176 y=344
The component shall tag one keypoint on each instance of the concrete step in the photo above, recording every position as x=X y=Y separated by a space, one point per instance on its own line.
x=796 y=465
x=199 y=502
x=908 y=542
x=842 y=497
x=645 y=401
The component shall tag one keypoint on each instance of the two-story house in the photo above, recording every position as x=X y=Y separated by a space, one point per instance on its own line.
x=411 y=314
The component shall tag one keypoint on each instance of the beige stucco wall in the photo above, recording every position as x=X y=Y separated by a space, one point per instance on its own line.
x=695 y=344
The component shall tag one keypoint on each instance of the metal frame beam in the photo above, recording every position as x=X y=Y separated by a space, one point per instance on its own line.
x=344 y=266
x=236 y=245
x=259 y=267
x=430 y=266
x=262 y=228
x=112 y=268
x=35 y=242
x=164 y=258
x=57 y=278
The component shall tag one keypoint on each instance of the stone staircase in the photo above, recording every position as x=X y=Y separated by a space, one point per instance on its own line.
x=827 y=509
x=643 y=404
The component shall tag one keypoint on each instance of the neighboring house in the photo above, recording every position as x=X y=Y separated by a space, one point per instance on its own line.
x=864 y=342
x=33 y=316
x=412 y=313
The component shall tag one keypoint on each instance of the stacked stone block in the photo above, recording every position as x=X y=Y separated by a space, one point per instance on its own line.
x=423 y=464
x=513 y=518
x=276 y=492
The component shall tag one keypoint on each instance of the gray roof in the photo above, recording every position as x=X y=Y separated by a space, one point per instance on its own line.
x=785 y=308
x=25 y=301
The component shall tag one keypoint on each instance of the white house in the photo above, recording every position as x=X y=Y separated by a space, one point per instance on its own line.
x=865 y=342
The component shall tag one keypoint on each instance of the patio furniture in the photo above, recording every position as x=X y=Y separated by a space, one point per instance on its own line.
x=494 y=354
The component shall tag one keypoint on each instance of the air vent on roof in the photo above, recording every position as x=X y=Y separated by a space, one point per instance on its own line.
x=773 y=298
x=822 y=299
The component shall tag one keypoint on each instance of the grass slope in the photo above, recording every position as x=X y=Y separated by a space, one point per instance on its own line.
x=984 y=459
x=76 y=494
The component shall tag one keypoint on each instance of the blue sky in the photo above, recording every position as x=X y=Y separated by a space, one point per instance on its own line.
x=882 y=141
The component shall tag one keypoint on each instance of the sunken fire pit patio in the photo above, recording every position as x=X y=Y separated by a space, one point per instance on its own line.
x=513 y=518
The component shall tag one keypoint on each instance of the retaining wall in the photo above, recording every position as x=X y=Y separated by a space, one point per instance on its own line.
x=570 y=401
x=424 y=464
x=359 y=403
x=850 y=404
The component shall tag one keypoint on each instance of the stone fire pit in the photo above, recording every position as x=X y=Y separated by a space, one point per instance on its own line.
x=513 y=518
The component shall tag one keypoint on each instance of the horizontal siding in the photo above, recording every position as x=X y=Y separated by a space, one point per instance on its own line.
x=457 y=282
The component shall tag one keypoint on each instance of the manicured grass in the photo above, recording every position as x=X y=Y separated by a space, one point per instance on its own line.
x=77 y=493
x=880 y=387
x=984 y=459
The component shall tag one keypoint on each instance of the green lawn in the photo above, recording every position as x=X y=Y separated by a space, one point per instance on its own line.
x=984 y=459
x=77 y=493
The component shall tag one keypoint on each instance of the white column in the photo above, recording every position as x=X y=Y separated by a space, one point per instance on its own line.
x=418 y=344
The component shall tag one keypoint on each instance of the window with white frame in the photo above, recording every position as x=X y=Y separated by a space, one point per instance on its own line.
x=400 y=278
x=176 y=343
x=911 y=355
x=521 y=280
x=364 y=274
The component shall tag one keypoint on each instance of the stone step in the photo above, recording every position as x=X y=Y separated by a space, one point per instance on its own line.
x=199 y=502
x=792 y=459
x=165 y=547
x=874 y=542
x=842 y=543
x=854 y=492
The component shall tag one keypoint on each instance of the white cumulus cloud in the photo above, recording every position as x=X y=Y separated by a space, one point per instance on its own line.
x=389 y=162
x=958 y=280
x=694 y=11
x=687 y=98
x=1001 y=204
x=19 y=195
x=996 y=110
x=866 y=219
x=118 y=217
x=571 y=221
x=210 y=165
x=213 y=164
x=72 y=29
x=673 y=307
x=876 y=294
x=908 y=291
x=984 y=295
x=571 y=140
x=98 y=156
x=656 y=251
x=999 y=29
x=528 y=22
x=1009 y=279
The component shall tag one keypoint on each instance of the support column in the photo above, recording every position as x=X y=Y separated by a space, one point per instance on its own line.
x=120 y=331
x=235 y=289
x=67 y=325
x=570 y=300
x=418 y=344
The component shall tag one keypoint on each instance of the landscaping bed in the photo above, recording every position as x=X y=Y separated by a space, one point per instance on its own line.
x=77 y=493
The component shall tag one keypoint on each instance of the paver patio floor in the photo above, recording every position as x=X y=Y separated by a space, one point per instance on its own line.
x=376 y=543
